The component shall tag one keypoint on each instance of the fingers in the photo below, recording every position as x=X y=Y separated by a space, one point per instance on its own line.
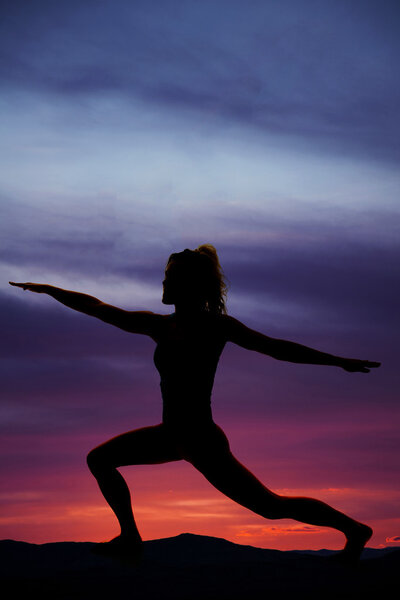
x=373 y=365
x=25 y=286
x=368 y=365
x=16 y=284
x=360 y=366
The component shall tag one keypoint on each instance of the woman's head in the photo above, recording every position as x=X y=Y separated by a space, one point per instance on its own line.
x=195 y=277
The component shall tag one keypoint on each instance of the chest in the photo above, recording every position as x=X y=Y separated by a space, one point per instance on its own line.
x=187 y=345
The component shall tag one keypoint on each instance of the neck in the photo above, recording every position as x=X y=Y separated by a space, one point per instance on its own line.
x=187 y=311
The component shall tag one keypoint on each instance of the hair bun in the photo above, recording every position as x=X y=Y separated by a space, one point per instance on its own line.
x=209 y=250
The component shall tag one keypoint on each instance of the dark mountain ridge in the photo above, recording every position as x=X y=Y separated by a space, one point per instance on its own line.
x=192 y=567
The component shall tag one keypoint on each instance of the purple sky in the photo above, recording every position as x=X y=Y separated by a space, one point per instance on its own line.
x=133 y=130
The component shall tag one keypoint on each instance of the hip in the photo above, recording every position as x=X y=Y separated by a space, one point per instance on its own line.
x=196 y=438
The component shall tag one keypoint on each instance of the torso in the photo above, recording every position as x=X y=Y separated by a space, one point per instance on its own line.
x=186 y=357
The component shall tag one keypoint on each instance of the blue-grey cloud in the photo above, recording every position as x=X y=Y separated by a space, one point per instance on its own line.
x=338 y=268
x=321 y=70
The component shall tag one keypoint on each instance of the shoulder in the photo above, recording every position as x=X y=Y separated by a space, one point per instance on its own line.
x=228 y=325
x=236 y=332
x=133 y=321
x=228 y=322
x=156 y=324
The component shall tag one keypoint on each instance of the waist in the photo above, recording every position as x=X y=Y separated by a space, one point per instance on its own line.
x=182 y=387
x=187 y=409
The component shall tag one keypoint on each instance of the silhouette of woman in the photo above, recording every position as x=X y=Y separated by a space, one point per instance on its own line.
x=189 y=344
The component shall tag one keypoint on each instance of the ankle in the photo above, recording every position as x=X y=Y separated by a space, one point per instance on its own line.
x=131 y=534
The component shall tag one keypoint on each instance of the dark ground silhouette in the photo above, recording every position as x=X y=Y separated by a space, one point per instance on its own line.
x=192 y=567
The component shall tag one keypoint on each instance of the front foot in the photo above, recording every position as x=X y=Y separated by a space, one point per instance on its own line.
x=126 y=548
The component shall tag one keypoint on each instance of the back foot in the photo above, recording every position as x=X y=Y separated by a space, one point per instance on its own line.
x=356 y=540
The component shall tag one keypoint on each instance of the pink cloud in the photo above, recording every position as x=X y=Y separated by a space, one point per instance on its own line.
x=257 y=531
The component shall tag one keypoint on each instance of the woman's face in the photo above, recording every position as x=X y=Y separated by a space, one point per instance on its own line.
x=177 y=286
x=171 y=284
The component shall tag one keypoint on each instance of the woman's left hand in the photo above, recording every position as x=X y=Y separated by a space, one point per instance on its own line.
x=353 y=365
x=40 y=288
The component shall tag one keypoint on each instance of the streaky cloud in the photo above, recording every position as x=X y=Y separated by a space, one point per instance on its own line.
x=332 y=80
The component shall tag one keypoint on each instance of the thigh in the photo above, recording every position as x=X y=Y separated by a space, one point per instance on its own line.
x=144 y=446
x=224 y=471
x=202 y=444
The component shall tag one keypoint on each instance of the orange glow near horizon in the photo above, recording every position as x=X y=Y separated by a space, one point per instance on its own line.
x=60 y=501
x=191 y=506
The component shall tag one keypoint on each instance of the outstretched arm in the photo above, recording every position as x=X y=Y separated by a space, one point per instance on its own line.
x=290 y=351
x=133 y=321
x=81 y=302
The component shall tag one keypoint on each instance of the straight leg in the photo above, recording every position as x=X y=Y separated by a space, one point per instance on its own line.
x=232 y=478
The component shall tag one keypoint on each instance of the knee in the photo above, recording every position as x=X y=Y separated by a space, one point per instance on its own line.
x=276 y=507
x=91 y=460
x=96 y=460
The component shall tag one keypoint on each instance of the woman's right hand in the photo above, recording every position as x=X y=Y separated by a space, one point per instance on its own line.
x=40 y=288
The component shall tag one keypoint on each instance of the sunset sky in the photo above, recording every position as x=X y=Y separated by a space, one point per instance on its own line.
x=131 y=130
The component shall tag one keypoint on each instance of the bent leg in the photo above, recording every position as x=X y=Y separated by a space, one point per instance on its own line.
x=147 y=445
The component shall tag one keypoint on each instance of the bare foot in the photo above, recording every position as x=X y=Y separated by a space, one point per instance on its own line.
x=122 y=546
x=356 y=540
